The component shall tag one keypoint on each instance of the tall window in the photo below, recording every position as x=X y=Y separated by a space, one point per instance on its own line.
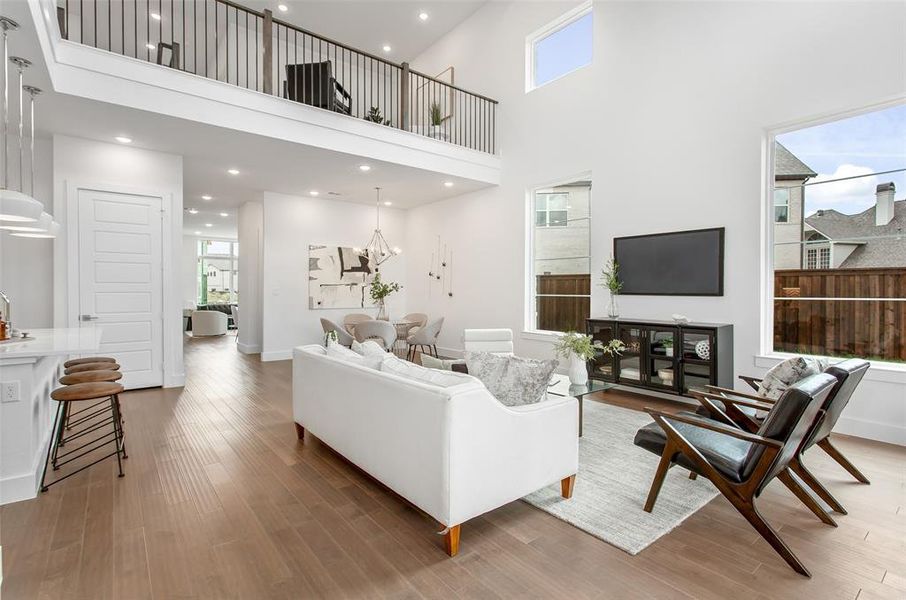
x=839 y=234
x=218 y=272
x=560 y=47
x=560 y=298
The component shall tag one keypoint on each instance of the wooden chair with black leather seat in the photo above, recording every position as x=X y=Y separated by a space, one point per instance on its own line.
x=315 y=85
x=739 y=463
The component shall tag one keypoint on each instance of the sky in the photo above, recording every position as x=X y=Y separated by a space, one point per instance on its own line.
x=564 y=50
x=860 y=145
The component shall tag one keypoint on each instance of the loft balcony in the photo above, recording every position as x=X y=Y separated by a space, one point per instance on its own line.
x=227 y=42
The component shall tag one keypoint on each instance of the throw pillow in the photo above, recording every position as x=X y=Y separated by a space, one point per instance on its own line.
x=343 y=353
x=404 y=368
x=513 y=380
x=369 y=348
x=439 y=363
x=787 y=373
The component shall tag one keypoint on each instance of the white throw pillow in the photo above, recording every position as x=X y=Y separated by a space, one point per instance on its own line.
x=404 y=368
x=369 y=348
x=343 y=353
x=787 y=373
x=513 y=380
x=439 y=363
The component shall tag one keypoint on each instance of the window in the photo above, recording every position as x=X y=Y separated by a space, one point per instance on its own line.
x=782 y=205
x=218 y=272
x=839 y=259
x=560 y=47
x=551 y=209
x=559 y=241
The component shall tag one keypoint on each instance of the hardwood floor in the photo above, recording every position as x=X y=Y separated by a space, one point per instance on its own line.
x=221 y=501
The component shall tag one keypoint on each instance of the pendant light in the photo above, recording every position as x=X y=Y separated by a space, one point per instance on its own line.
x=377 y=247
x=15 y=205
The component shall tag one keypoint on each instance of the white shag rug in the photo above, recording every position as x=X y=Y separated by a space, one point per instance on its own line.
x=613 y=482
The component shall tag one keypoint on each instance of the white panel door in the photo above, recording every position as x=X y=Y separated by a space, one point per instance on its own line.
x=120 y=285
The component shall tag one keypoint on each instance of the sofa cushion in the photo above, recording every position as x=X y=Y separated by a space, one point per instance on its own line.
x=787 y=373
x=343 y=353
x=404 y=368
x=369 y=348
x=513 y=380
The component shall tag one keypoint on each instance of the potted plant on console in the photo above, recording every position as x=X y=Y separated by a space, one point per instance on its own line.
x=380 y=291
x=610 y=278
x=578 y=349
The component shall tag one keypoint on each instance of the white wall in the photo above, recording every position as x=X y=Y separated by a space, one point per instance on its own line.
x=251 y=251
x=671 y=119
x=26 y=265
x=78 y=161
x=188 y=268
x=291 y=224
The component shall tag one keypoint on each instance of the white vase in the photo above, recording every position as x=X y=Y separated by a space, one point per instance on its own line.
x=578 y=373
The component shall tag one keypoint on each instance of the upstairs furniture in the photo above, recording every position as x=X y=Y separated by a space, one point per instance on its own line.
x=350 y=321
x=208 y=322
x=343 y=337
x=425 y=339
x=663 y=355
x=740 y=463
x=448 y=447
x=383 y=332
x=496 y=341
x=315 y=85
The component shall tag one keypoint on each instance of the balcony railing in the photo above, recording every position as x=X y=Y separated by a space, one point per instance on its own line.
x=221 y=40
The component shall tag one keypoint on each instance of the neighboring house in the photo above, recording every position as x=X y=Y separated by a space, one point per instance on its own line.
x=789 y=175
x=876 y=237
x=561 y=229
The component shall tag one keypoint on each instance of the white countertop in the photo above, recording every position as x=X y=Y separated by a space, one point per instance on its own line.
x=53 y=342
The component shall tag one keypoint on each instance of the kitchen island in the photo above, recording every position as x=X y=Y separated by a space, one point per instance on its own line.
x=29 y=370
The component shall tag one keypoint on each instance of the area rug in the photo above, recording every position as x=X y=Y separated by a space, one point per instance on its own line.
x=613 y=481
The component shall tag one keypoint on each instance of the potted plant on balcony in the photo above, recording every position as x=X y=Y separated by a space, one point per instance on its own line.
x=380 y=291
x=437 y=120
x=374 y=115
x=610 y=278
x=578 y=349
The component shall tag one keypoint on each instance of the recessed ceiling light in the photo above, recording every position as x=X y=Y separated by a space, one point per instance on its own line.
x=233 y=171
x=197 y=233
x=282 y=7
x=388 y=203
x=155 y=16
x=364 y=168
x=448 y=184
x=207 y=197
x=313 y=193
x=387 y=48
x=208 y=224
x=123 y=139
x=224 y=214
x=423 y=16
x=150 y=46
x=193 y=211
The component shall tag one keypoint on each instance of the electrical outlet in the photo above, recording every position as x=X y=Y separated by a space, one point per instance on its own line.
x=9 y=391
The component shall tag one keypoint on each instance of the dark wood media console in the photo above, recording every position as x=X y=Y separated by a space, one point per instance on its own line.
x=664 y=356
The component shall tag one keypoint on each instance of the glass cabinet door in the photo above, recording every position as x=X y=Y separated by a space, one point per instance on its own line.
x=660 y=357
x=630 y=361
x=697 y=359
x=602 y=367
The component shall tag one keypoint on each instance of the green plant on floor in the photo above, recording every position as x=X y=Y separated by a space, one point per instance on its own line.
x=437 y=117
x=579 y=344
x=374 y=115
x=614 y=347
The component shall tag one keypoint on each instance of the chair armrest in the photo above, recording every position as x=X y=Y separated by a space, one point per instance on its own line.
x=341 y=89
x=752 y=381
x=716 y=427
x=745 y=401
x=732 y=392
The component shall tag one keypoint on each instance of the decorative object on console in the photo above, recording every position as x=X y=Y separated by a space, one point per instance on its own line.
x=337 y=277
x=578 y=348
x=379 y=292
x=377 y=247
x=703 y=350
x=610 y=278
x=680 y=319
x=513 y=380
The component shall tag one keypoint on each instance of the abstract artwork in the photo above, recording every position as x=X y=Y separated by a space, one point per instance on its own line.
x=338 y=277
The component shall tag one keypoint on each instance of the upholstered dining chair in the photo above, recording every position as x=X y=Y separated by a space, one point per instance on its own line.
x=383 y=332
x=420 y=320
x=343 y=337
x=740 y=463
x=350 y=321
x=720 y=403
x=425 y=338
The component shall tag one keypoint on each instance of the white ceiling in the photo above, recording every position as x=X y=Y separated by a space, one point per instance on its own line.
x=264 y=163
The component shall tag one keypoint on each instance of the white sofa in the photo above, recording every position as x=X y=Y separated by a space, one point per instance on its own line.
x=454 y=452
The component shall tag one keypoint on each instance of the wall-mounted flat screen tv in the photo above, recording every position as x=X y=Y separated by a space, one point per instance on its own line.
x=681 y=263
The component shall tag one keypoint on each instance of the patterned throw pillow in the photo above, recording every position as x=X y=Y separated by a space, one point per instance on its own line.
x=788 y=373
x=369 y=348
x=513 y=380
x=404 y=368
x=343 y=353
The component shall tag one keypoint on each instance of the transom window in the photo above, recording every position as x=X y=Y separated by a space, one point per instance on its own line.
x=560 y=47
x=551 y=209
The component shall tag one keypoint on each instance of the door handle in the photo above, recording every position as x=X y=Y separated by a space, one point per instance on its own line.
x=90 y=317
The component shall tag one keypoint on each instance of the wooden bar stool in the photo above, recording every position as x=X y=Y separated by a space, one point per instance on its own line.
x=83 y=392
x=104 y=364
x=88 y=359
x=95 y=366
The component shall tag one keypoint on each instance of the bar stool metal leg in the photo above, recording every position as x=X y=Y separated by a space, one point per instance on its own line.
x=117 y=434
x=53 y=442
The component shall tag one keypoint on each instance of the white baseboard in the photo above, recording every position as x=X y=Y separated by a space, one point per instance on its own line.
x=276 y=355
x=25 y=486
x=872 y=430
x=249 y=348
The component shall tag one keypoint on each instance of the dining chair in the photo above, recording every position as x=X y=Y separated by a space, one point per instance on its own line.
x=350 y=321
x=420 y=319
x=343 y=337
x=425 y=338
x=383 y=332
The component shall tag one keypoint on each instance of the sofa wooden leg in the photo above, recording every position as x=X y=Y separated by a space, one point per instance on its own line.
x=451 y=540
x=300 y=431
x=567 y=485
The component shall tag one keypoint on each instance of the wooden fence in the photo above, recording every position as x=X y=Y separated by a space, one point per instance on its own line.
x=563 y=312
x=841 y=312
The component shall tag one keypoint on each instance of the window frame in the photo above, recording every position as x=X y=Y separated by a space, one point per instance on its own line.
x=232 y=257
x=547 y=209
x=786 y=204
x=547 y=30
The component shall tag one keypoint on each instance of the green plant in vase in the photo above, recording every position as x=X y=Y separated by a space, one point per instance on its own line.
x=610 y=278
x=374 y=115
x=667 y=344
x=379 y=292
x=578 y=348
